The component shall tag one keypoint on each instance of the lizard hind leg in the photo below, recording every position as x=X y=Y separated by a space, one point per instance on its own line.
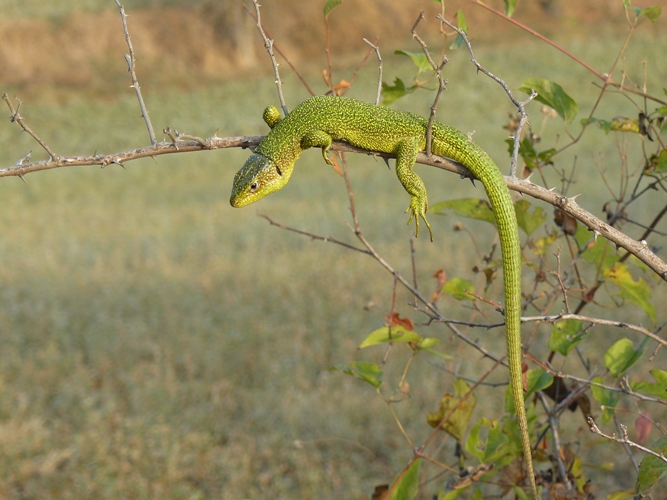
x=318 y=139
x=406 y=155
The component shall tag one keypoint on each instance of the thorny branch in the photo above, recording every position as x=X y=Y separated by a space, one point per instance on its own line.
x=623 y=439
x=281 y=53
x=16 y=117
x=131 y=65
x=520 y=105
x=639 y=249
x=377 y=53
x=558 y=450
x=268 y=43
x=442 y=84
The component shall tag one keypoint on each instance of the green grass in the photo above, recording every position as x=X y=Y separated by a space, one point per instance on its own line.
x=157 y=343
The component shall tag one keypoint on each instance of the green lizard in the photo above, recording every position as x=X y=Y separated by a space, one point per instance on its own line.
x=319 y=120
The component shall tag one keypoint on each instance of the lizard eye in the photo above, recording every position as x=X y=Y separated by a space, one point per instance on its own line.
x=253 y=187
x=279 y=171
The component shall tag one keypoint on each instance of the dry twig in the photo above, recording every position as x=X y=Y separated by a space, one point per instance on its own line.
x=131 y=65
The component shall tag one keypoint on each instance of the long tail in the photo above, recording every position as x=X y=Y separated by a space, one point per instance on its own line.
x=451 y=143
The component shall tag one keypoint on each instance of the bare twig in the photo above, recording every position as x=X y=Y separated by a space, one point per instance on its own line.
x=161 y=148
x=626 y=446
x=276 y=47
x=442 y=84
x=312 y=236
x=624 y=388
x=131 y=65
x=377 y=53
x=623 y=439
x=430 y=307
x=520 y=105
x=558 y=451
x=268 y=43
x=16 y=117
x=597 y=321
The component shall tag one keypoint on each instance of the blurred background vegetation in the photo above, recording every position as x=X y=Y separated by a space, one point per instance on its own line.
x=155 y=342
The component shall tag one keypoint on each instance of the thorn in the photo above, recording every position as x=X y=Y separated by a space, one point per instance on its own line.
x=386 y=160
x=596 y=233
x=25 y=159
x=527 y=179
x=573 y=198
x=20 y=176
x=116 y=162
x=552 y=189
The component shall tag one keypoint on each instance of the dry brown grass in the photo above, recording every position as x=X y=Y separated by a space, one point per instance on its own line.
x=217 y=40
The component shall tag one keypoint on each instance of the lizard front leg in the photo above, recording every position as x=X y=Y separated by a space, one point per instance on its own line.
x=406 y=156
x=318 y=139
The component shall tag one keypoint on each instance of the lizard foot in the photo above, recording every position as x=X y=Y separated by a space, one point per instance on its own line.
x=418 y=209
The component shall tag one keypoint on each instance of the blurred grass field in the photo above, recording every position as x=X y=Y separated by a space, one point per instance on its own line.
x=157 y=343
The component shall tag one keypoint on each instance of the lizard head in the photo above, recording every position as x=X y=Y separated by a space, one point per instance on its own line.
x=258 y=177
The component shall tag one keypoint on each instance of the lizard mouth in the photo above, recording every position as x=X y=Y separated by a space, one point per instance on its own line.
x=245 y=182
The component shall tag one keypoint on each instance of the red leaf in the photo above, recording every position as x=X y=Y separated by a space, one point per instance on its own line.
x=643 y=426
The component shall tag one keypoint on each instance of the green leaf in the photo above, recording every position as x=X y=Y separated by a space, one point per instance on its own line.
x=331 y=5
x=599 y=252
x=621 y=495
x=368 y=372
x=463 y=26
x=536 y=380
x=418 y=58
x=622 y=355
x=458 y=421
x=406 y=487
x=607 y=399
x=398 y=334
x=623 y=124
x=530 y=156
x=553 y=95
x=565 y=335
x=510 y=5
x=492 y=450
x=603 y=124
x=459 y=288
x=453 y=494
x=529 y=221
x=657 y=388
x=651 y=468
x=636 y=292
x=577 y=471
x=541 y=245
x=473 y=208
x=651 y=13
x=391 y=93
x=661 y=163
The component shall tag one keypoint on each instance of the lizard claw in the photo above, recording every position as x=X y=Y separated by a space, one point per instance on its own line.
x=418 y=210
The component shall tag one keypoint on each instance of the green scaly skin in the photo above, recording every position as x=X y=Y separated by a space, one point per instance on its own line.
x=319 y=120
